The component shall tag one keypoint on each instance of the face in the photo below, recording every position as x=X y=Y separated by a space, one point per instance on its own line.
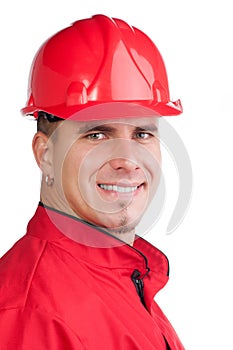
x=106 y=172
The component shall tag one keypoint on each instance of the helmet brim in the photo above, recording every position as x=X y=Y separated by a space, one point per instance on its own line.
x=109 y=110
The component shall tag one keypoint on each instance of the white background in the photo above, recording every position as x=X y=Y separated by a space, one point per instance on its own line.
x=195 y=39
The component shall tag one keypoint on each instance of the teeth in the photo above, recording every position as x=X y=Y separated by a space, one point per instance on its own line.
x=118 y=188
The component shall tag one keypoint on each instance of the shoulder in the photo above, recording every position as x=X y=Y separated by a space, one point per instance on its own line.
x=17 y=268
x=39 y=274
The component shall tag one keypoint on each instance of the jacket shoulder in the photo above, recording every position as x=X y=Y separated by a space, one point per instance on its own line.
x=17 y=268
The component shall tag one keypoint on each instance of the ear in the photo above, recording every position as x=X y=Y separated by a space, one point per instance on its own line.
x=42 y=149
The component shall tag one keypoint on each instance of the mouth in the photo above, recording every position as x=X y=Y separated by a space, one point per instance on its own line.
x=120 y=188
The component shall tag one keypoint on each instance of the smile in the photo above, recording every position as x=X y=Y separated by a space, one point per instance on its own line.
x=120 y=189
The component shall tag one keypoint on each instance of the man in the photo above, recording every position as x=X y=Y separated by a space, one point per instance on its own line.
x=81 y=278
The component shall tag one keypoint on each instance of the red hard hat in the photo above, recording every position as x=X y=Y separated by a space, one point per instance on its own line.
x=99 y=62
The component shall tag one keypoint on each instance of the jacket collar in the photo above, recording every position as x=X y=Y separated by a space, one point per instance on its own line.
x=87 y=243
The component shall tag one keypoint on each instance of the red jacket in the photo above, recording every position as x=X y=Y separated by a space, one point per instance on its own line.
x=67 y=286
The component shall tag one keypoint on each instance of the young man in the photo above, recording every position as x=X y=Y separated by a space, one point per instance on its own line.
x=81 y=278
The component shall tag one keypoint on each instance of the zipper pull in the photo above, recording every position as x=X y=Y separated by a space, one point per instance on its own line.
x=139 y=285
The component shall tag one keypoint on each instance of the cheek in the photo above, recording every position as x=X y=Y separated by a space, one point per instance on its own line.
x=70 y=170
x=159 y=158
x=154 y=169
x=155 y=151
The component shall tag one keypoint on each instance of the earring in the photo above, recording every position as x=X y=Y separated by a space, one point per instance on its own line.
x=49 y=180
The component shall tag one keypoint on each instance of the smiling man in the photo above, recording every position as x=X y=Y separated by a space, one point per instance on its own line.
x=103 y=172
x=81 y=278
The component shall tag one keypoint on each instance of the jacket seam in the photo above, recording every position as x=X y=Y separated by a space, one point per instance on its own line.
x=34 y=272
x=43 y=312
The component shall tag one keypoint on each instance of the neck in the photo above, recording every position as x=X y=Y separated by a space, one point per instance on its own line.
x=124 y=234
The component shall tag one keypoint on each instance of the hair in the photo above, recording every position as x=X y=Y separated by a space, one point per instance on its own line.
x=47 y=123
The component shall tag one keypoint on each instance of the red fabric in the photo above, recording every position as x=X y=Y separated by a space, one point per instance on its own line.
x=59 y=293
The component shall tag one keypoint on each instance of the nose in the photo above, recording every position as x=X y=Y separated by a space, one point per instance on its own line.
x=124 y=156
x=123 y=164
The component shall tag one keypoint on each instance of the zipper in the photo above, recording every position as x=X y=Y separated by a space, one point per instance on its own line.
x=139 y=285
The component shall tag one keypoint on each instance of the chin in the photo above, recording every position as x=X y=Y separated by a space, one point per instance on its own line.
x=122 y=224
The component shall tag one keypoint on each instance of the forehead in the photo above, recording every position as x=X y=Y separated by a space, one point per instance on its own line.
x=144 y=123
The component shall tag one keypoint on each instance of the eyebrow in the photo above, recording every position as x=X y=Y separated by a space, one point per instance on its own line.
x=149 y=127
x=103 y=128
x=112 y=129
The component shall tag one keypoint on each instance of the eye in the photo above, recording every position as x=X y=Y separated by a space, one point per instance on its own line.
x=143 y=135
x=95 y=136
